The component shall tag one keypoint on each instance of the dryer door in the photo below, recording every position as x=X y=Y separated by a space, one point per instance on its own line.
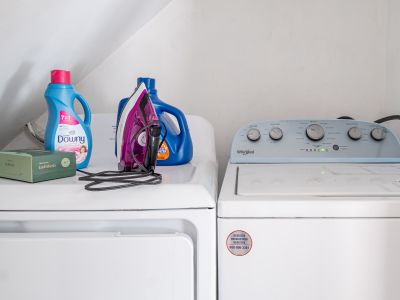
x=84 y=266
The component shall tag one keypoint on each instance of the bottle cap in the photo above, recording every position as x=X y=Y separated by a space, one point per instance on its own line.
x=150 y=83
x=61 y=76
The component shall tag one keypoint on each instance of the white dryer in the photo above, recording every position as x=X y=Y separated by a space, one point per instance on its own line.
x=59 y=241
x=310 y=210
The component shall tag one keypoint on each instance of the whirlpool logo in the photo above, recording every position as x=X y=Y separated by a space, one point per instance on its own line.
x=245 y=152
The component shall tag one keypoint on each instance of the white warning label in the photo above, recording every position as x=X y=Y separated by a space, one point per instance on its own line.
x=239 y=242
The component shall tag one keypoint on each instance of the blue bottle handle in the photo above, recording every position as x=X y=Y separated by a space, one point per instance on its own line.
x=180 y=117
x=86 y=110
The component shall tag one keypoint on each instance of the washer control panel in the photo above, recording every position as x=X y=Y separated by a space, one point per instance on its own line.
x=298 y=141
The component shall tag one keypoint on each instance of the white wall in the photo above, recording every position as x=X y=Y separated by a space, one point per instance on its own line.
x=238 y=61
x=393 y=70
x=37 y=36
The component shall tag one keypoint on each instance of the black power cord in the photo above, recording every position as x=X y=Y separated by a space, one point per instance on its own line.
x=379 y=121
x=345 y=118
x=141 y=175
x=388 y=118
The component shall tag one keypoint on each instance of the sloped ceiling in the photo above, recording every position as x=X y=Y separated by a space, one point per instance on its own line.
x=41 y=35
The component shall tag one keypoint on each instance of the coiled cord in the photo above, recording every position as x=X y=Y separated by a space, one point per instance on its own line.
x=123 y=179
x=119 y=179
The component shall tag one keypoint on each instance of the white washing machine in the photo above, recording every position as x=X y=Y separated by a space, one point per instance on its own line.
x=310 y=210
x=58 y=241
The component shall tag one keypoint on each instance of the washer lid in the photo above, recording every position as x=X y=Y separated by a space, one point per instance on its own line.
x=330 y=180
x=310 y=190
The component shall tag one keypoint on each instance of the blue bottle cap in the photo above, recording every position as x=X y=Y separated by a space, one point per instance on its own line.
x=150 y=83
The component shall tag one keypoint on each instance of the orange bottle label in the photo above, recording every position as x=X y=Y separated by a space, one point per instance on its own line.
x=163 y=152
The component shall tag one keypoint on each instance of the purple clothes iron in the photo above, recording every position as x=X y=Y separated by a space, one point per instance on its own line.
x=138 y=132
x=137 y=143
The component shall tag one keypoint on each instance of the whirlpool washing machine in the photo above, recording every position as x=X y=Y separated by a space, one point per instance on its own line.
x=310 y=210
x=59 y=241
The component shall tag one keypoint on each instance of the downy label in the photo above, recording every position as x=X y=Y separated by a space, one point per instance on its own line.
x=70 y=137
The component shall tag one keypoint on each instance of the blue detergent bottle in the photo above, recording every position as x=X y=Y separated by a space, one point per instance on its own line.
x=177 y=148
x=65 y=130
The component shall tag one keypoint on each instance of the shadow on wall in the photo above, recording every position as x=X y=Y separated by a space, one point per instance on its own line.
x=126 y=17
x=12 y=86
x=16 y=105
x=78 y=45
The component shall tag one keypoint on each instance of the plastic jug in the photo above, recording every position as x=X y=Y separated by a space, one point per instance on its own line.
x=177 y=148
x=65 y=130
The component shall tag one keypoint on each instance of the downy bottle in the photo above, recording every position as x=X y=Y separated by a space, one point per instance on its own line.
x=65 y=130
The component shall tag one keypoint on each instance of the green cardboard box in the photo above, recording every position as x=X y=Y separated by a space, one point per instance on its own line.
x=36 y=165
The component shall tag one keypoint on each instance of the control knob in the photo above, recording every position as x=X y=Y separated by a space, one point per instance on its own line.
x=276 y=133
x=253 y=135
x=354 y=133
x=378 y=133
x=315 y=132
